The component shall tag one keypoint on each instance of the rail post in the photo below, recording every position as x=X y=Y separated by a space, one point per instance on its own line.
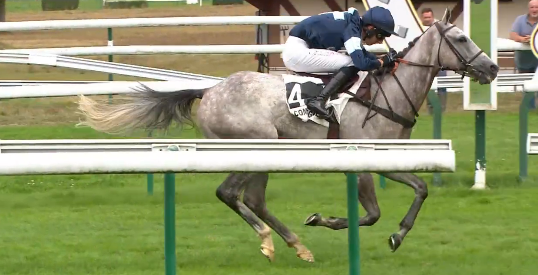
x=110 y=59
x=170 y=220
x=169 y=223
x=353 y=221
x=523 y=132
x=437 y=126
x=480 y=149
x=150 y=177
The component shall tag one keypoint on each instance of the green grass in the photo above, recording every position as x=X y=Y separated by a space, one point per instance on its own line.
x=106 y=224
x=120 y=231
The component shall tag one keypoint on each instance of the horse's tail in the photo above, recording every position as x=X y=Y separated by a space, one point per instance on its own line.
x=147 y=109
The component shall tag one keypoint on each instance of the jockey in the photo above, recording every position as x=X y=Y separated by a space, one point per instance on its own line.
x=307 y=48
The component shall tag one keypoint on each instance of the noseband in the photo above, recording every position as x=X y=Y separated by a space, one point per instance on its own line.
x=390 y=114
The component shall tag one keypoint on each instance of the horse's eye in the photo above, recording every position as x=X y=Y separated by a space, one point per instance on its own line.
x=462 y=39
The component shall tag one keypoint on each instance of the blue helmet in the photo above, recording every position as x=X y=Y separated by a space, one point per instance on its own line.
x=380 y=18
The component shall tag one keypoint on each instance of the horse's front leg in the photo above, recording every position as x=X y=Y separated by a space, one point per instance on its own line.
x=421 y=193
x=368 y=200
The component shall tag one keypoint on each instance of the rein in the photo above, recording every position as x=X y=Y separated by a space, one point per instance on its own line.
x=390 y=114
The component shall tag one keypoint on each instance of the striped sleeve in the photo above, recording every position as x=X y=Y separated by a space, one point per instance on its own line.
x=353 y=44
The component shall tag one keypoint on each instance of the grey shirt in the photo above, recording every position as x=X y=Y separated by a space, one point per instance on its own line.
x=525 y=60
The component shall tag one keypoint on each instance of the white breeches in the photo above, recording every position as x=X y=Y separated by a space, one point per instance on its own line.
x=299 y=58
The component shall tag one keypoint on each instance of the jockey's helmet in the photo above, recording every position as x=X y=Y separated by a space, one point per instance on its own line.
x=381 y=19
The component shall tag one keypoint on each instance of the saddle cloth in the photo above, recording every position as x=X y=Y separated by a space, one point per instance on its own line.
x=299 y=88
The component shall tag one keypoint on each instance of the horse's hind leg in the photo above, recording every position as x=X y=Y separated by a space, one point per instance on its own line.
x=368 y=200
x=254 y=198
x=229 y=192
x=421 y=193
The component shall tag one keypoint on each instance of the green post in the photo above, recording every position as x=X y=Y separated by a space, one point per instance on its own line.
x=353 y=221
x=169 y=224
x=437 y=126
x=480 y=149
x=150 y=177
x=523 y=132
x=110 y=59
x=382 y=182
x=150 y=183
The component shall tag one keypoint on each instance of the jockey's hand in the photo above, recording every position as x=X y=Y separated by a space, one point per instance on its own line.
x=389 y=59
x=396 y=64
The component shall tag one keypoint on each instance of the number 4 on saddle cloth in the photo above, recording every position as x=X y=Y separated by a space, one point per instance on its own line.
x=306 y=85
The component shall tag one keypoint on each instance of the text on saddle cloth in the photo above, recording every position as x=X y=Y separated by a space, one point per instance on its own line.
x=299 y=88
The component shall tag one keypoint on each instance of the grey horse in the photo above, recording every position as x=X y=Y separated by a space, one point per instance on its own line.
x=251 y=105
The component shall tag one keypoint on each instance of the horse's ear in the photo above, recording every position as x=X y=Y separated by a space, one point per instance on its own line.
x=446 y=16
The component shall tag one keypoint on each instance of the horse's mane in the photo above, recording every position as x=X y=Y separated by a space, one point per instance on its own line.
x=410 y=45
x=400 y=54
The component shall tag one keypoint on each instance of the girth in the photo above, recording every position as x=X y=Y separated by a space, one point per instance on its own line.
x=363 y=96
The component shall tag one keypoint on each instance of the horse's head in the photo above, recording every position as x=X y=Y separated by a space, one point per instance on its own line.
x=457 y=52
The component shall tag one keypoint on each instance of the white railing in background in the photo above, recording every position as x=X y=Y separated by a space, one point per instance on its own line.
x=106 y=88
x=505 y=45
x=531 y=85
x=100 y=66
x=157 y=49
x=147 y=22
x=52 y=89
x=58 y=56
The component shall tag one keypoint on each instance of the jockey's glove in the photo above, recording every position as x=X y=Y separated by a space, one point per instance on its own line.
x=389 y=59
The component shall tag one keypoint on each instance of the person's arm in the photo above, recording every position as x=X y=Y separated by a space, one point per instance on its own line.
x=516 y=30
x=353 y=45
x=518 y=38
x=371 y=55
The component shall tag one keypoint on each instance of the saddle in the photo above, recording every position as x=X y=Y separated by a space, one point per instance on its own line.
x=363 y=93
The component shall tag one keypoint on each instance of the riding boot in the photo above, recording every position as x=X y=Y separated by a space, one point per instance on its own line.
x=317 y=104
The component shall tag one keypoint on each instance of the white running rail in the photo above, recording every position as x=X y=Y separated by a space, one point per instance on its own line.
x=99 y=66
x=148 y=145
x=48 y=157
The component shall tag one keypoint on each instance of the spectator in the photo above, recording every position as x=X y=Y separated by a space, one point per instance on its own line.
x=427 y=18
x=521 y=32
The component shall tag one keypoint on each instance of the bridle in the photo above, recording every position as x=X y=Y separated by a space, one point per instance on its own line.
x=390 y=114
x=465 y=63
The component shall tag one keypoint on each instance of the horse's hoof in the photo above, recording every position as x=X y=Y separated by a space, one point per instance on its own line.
x=306 y=256
x=395 y=241
x=313 y=220
x=268 y=253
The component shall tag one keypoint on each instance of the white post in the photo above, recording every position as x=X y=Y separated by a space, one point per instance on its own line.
x=493 y=49
x=467 y=31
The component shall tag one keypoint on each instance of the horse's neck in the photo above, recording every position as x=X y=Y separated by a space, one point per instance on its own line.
x=416 y=80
